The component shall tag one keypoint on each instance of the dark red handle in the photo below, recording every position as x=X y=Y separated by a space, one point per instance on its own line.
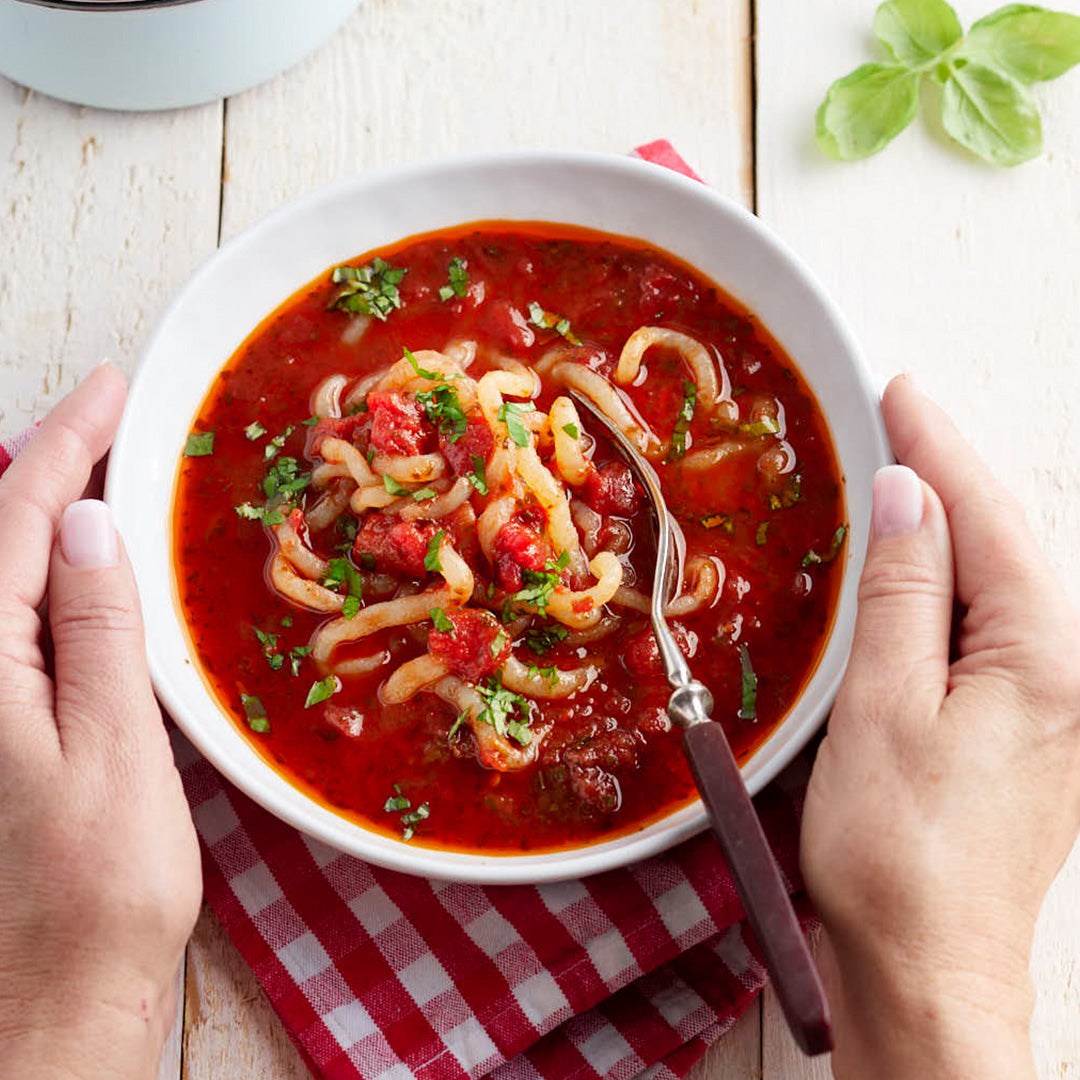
x=760 y=886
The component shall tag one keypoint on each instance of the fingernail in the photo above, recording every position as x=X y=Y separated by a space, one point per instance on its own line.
x=88 y=535
x=898 y=502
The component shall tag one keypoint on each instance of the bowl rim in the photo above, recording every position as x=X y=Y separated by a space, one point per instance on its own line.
x=295 y=807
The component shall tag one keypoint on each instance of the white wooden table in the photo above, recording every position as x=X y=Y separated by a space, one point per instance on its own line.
x=965 y=275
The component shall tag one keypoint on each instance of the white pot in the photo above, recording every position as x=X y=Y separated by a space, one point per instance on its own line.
x=157 y=54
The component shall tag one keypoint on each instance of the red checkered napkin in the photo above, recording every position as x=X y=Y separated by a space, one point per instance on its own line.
x=382 y=976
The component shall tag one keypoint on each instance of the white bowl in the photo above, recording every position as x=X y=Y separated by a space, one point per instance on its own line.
x=257 y=271
x=157 y=54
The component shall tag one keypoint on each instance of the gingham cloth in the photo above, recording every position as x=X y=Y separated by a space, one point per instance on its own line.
x=383 y=976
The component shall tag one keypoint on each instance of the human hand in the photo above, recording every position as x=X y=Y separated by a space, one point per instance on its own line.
x=946 y=794
x=100 y=879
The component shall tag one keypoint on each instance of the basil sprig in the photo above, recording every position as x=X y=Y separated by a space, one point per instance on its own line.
x=984 y=77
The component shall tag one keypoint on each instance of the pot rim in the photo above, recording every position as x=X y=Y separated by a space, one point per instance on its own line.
x=102 y=6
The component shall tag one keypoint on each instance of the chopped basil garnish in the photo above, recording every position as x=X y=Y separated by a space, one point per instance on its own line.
x=748 y=709
x=260 y=513
x=431 y=557
x=510 y=413
x=767 y=425
x=443 y=408
x=718 y=521
x=392 y=486
x=541 y=639
x=442 y=622
x=762 y=534
x=410 y=820
x=199 y=444
x=500 y=706
x=342 y=572
x=459 y=280
x=424 y=493
x=539 y=585
x=286 y=621
x=350 y=608
x=478 y=477
x=275 y=660
x=295 y=656
x=276 y=443
x=458 y=721
x=268 y=641
x=367 y=560
x=682 y=421
x=548 y=320
x=422 y=372
x=549 y=673
x=285 y=479
x=311 y=421
x=396 y=803
x=254 y=430
x=789 y=496
x=371 y=289
x=255 y=713
x=571 y=430
x=812 y=558
x=321 y=690
x=497 y=643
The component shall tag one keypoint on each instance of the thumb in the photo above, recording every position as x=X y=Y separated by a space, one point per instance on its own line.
x=901 y=645
x=103 y=692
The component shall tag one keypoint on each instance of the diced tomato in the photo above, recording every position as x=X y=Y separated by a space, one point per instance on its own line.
x=519 y=546
x=507 y=325
x=660 y=291
x=342 y=720
x=398 y=424
x=397 y=546
x=474 y=648
x=612 y=489
x=340 y=427
x=475 y=441
x=582 y=605
x=641 y=654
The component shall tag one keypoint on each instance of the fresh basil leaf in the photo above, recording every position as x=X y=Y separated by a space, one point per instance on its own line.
x=548 y=320
x=431 y=557
x=424 y=493
x=767 y=425
x=1026 y=42
x=199 y=444
x=441 y=620
x=541 y=639
x=371 y=289
x=916 y=31
x=682 y=421
x=478 y=477
x=510 y=413
x=459 y=280
x=866 y=109
x=989 y=113
x=350 y=608
x=571 y=430
x=392 y=486
x=321 y=690
x=422 y=372
x=254 y=430
x=255 y=713
x=458 y=721
x=748 y=707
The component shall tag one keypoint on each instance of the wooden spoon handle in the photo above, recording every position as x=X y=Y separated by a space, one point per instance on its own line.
x=760 y=886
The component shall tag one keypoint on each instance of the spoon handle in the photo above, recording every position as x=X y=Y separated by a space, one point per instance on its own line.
x=760 y=886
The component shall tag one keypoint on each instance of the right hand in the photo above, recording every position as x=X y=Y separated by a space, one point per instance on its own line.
x=946 y=795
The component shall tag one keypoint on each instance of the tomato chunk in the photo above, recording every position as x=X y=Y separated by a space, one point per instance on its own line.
x=641 y=654
x=612 y=489
x=398 y=424
x=507 y=325
x=475 y=441
x=519 y=545
x=474 y=648
x=338 y=427
x=397 y=546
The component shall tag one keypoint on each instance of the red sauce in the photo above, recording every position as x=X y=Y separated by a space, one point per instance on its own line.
x=610 y=764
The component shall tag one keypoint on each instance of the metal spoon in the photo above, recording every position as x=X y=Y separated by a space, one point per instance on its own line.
x=720 y=784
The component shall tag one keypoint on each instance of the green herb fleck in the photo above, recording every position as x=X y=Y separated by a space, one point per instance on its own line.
x=442 y=621
x=762 y=535
x=497 y=643
x=748 y=709
x=199 y=444
x=478 y=477
x=501 y=705
x=422 y=372
x=682 y=421
x=510 y=413
x=276 y=443
x=254 y=430
x=255 y=713
x=718 y=521
x=458 y=721
x=571 y=430
x=321 y=690
x=548 y=320
x=443 y=408
x=431 y=557
x=543 y=638
x=410 y=820
x=286 y=621
x=371 y=289
x=396 y=803
x=812 y=558
x=392 y=486
x=767 y=425
x=459 y=280
x=260 y=513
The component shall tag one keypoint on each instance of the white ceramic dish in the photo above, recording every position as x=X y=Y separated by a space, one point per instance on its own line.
x=157 y=54
x=253 y=274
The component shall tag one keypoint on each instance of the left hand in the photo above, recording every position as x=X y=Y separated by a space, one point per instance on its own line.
x=100 y=879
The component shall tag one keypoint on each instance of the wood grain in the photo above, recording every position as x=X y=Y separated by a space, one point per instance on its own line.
x=103 y=216
x=968 y=276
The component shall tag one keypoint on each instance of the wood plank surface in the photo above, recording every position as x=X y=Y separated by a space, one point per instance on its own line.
x=969 y=277
x=966 y=275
